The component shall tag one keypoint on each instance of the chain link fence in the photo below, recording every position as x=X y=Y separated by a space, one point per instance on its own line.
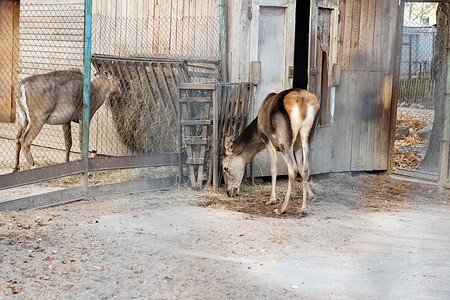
x=136 y=66
x=419 y=114
x=37 y=39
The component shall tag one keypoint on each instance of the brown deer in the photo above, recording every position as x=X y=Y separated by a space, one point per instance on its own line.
x=283 y=124
x=56 y=98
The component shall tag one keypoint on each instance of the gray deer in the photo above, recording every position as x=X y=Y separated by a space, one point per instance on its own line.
x=56 y=98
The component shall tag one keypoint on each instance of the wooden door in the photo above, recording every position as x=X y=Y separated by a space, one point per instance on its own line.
x=272 y=44
x=323 y=78
x=272 y=40
x=9 y=54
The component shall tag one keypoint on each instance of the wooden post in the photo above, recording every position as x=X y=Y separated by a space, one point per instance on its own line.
x=180 y=140
x=215 y=138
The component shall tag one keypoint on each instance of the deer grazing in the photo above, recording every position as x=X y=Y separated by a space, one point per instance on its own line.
x=56 y=98
x=283 y=124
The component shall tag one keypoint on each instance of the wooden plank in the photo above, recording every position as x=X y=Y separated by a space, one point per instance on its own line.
x=146 y=83
x=377 y=44
x=392 y=36
x=162 y=84
x=351 y=108
x=384 y=34
x=196 y=99
x=154 y=85
x=358 y=138
x=354 y=38
x=378 y=114
x=226 y=92
x=196 y=86
x=6 y=56
x=214 y=168
x=363 y=46
x=372 y=120
x=347 y=33
x=196 y=141
x=341 y=126
x=171 y=81
x=364 y=86
x=195 y=122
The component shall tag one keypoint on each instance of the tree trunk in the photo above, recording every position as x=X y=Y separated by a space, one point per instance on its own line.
x=431 y=160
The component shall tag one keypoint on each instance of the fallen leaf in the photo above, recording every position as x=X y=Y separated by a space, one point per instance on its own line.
x=167 y=278
x=99 y=268
x=294 y=286
x=11 y=287
x=48 y=258
x=273 y=261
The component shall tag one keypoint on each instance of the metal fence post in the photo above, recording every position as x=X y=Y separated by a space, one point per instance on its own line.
x=86 y=91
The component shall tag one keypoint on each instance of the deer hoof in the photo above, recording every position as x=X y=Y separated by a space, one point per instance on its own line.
x=15 y=170
x=279 y=211
x=304 y=211
x=271 y=201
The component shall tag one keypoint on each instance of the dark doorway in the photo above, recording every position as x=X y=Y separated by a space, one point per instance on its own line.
x=301 y=44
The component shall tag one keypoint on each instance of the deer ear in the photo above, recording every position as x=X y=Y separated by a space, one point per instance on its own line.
x=228 y=145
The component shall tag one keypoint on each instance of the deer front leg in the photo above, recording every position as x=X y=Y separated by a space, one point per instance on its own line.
x=292 y=172
x=67 y=139
x=273 y=172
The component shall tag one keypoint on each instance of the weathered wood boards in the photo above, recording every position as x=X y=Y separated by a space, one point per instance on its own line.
x=9 y=41
x=366 y=52
x=208 y=112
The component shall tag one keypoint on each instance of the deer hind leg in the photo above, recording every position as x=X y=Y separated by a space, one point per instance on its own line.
x=67 y=139
x=32 y=130
x=304 y=171
x=273 y=171
x=20 y=132
x=292 y=172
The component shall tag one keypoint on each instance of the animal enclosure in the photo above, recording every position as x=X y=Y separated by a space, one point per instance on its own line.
x=134 y=128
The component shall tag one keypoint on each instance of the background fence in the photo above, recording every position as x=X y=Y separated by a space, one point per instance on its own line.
x=137 y=127
x=421 y=90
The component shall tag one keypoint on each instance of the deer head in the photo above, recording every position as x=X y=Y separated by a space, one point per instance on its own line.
x=233 y=167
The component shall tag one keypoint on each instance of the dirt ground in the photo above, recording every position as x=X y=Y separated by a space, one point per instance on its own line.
x=366 y=236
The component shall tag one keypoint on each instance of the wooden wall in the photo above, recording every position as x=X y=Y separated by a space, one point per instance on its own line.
x=9 y=50
x=51 y=36
x=153 y=28
x=155 y=8
x=358 y=140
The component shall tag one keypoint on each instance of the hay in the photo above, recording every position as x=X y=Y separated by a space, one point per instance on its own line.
x=143 y=125
x=112 y=176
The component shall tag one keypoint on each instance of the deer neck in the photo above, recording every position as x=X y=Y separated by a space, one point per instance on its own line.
x=249 y=143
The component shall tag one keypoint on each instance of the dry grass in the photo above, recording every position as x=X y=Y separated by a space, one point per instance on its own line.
x=113 y=176
x=143 y=124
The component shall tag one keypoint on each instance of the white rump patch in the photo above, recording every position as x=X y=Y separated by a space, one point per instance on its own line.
x=23 y=115
x=296 y=120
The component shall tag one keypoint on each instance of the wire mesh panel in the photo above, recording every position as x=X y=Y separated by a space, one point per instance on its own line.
x=419 y=114
x=39 y=39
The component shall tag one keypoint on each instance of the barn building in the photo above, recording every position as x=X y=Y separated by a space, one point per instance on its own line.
x=344 y=51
